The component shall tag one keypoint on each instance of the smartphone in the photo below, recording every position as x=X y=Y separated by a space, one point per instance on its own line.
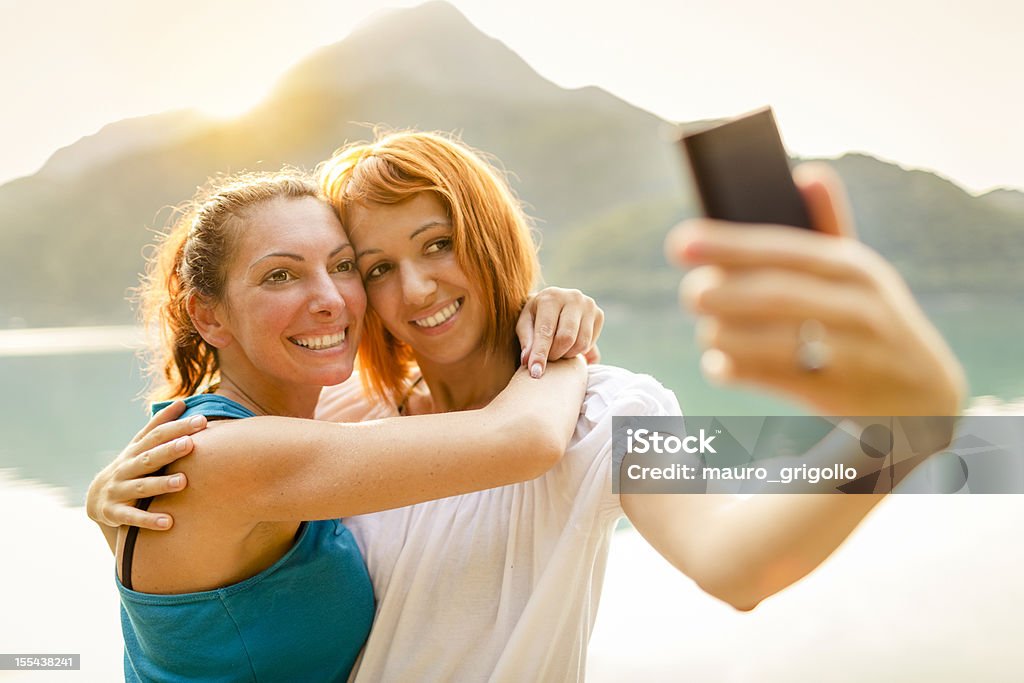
x=742 y=172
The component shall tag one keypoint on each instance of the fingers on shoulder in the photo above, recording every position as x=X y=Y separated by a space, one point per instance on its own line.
x=168 y=433
x=126 y=515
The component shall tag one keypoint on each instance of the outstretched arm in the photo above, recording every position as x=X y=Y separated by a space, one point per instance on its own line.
x=752 y=290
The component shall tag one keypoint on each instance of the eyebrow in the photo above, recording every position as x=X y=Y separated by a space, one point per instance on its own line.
x=412 y=235
x=297 y=257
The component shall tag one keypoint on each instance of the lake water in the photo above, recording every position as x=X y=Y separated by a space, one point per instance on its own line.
x=69 y=404
x=70 y=397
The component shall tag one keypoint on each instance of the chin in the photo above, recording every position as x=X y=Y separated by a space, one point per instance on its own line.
x=328 y=377
x=338 y=376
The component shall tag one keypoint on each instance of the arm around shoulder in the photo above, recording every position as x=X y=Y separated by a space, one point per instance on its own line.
x=286 y=469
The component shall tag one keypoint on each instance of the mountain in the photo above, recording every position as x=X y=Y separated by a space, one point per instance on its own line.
x=124 y=137
x=1005 y=199
x=942 y=238
x=601 y=177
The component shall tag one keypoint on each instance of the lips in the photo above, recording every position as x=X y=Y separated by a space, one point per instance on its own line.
x=439 y=318
x=319 y=342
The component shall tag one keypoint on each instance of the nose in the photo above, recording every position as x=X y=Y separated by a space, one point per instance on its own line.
x=325 y=299
x=418 y=284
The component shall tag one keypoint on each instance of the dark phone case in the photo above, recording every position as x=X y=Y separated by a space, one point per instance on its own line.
x=742 y=172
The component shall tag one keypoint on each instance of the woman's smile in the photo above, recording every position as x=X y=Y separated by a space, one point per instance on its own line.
x=440 y=320
x=320 y=342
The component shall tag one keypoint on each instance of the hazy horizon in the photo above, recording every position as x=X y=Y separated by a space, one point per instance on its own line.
x=923 y=87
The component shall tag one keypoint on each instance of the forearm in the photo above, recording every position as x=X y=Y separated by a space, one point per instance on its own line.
x=745 y=549
x=862 y=447
x=763 y=544
x=547 y=412
x=741 y=550
x=340 y=470
x=288 y=469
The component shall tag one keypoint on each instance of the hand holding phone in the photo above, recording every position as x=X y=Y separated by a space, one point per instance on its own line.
x=742 y=172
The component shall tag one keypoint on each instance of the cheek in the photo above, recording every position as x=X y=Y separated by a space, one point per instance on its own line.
x=383 y=298
x=270 y=313
x=355 y=297
x=458 y=277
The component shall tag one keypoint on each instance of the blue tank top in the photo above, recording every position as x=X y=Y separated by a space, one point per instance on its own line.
x=305 y=618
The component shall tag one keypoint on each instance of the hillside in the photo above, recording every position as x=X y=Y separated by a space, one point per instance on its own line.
x=600 y=176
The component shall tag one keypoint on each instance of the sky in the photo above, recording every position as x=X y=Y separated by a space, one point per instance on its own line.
x=928 y=84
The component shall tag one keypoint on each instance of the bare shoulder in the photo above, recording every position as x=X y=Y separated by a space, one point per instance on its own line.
x=209 y=546
x=219 y=451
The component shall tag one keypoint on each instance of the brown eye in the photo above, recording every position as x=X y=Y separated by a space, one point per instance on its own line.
x=377 y=272
x=278 y=276
x=443 y=244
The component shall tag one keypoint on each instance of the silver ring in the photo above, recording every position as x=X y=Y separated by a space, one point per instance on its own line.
x=813 y=353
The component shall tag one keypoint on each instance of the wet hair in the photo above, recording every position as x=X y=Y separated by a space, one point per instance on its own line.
x=191 y=259
x=491 y=237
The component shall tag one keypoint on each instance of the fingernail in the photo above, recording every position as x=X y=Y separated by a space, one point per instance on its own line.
x=163 y=523
x=692 y=251
x=196 y=422
x=177 y=480
x=181 y=445
x=716 y=366
x=535 y=370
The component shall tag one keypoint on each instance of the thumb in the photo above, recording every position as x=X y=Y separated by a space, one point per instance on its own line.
x=825 y=198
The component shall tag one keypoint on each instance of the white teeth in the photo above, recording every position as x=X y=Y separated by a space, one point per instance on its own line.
x=441 y=316
x=319 y=343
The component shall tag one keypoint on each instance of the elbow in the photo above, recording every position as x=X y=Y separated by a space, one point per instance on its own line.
x=546 y=451
x=744 y=605
x=742 y=588
x=542 y=447
x=740 y=597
